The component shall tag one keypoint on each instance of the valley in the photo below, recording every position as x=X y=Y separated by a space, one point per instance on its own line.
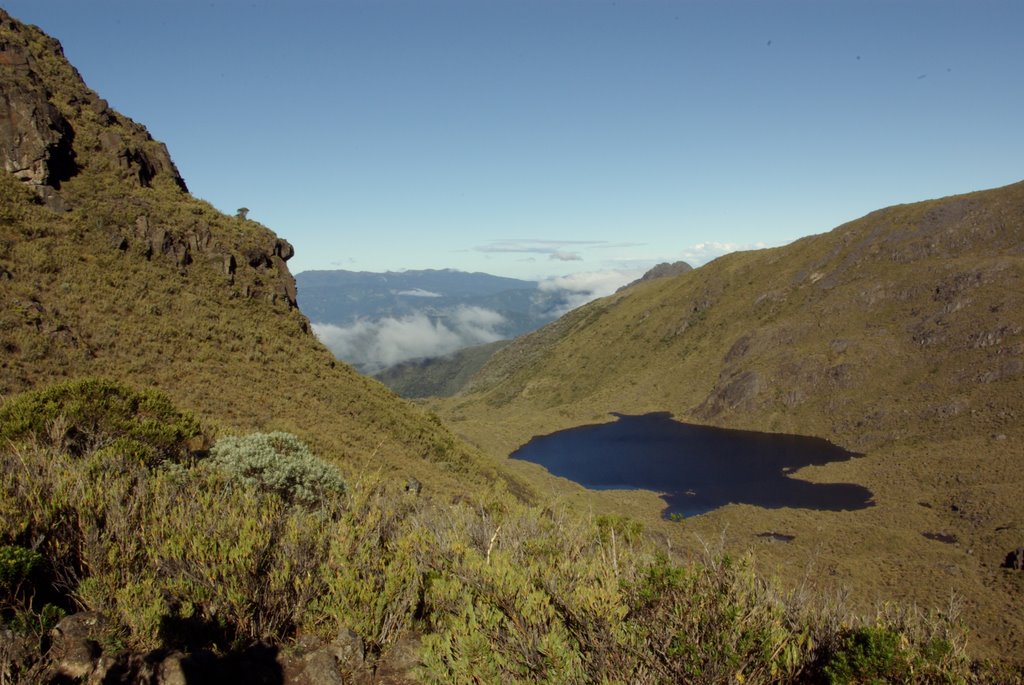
x=898 y=336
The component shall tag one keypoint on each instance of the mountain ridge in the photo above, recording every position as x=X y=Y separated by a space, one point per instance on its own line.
x=899 y=335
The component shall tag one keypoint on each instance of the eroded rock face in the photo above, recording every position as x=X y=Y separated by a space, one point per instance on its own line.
x=36 y=141
x=75 y=649
x=38 y=125
x=733 y=390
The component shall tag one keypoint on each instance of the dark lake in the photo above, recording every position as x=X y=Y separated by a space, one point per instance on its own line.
x=696 y=468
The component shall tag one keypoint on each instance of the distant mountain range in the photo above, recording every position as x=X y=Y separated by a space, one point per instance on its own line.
x=341 y=297
x=405 y=327
x=376 y=320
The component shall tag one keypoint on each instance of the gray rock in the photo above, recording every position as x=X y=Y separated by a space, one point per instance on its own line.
x=398 y=663
x=74 y=649
x=322 y=669
x=348 y=649
x=171 y=671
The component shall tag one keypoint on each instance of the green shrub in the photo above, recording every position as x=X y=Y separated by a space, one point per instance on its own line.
x=869 y=655
x=16 y=565
x=92 y=414
x=896 y=650
x=279 y=463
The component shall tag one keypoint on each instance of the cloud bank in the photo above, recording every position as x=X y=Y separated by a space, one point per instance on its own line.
x=371 y=346
x=579 y=288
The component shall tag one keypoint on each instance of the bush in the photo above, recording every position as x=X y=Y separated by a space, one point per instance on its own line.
x=16 y=565
x=92 y=414
x=890 y=651
x=278 y=463
x=868 y=655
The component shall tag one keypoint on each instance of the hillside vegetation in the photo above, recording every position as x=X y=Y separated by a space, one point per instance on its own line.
x=182 y=557
x=899 y=335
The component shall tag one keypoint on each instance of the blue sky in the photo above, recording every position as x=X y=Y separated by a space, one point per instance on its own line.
x=536 y=138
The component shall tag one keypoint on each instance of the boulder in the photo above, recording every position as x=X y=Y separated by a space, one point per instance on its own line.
x=74 y=647
x=283 y=249
x=399 y=662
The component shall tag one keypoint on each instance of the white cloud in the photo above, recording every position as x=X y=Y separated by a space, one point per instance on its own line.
x=375 y=345
x=579 y=288
x=418 y=292
x=702 y=253
x=566 y=256
x=548 y=247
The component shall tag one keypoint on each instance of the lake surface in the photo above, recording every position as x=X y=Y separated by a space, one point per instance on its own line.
x=696 y=468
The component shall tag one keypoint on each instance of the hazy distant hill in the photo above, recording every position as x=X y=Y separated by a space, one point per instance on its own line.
x=340 y=297
x=900 y=334
x=375 y=320
x=438 y=376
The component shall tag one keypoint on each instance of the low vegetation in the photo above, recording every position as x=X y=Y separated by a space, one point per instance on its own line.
x=186 y=553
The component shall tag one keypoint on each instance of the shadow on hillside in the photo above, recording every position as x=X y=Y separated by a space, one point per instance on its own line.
x=255 y=665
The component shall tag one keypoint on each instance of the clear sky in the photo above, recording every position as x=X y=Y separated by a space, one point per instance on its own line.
x=536 y=138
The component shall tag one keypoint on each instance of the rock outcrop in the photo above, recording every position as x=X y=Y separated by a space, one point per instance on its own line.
x=53 y=128
x=663 y=270
x=44 y=103
x=36 y=141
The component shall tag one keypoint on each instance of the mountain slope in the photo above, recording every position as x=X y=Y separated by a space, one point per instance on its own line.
x=922 y=296
x=899 y=335
x=109 y=267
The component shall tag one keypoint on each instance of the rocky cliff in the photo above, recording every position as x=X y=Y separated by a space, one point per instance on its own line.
x=54 y=129
x=47 y=117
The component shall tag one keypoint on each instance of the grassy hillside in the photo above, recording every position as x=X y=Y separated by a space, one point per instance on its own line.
x=900 y=335
x=116 y=271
